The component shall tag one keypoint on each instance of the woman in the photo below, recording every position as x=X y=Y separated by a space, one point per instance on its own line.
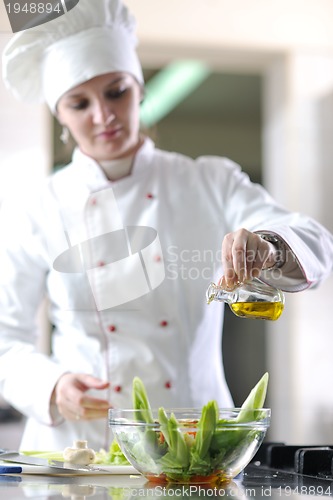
x=124 y=241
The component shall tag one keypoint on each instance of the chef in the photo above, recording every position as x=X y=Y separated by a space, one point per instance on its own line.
x=123 y=242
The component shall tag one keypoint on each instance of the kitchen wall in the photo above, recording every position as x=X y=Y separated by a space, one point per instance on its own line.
x=25 y=139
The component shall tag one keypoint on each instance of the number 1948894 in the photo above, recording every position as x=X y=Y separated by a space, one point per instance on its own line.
x=34 y=8
x=286 y=491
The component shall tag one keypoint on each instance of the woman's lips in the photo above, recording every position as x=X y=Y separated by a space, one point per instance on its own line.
x=109 y=133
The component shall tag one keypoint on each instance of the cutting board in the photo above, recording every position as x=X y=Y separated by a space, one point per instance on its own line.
x=7 y=468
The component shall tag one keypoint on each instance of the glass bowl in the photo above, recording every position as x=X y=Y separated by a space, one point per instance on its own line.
x=179 y=450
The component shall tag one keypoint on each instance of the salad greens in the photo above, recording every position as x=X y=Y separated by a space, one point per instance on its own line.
x=48 y=455
x=113 y=456
x=184 y=448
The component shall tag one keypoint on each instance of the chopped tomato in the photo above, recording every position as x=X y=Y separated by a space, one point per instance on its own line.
x=161 y=438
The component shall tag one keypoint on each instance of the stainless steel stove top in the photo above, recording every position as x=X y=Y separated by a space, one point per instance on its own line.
x=289 y=470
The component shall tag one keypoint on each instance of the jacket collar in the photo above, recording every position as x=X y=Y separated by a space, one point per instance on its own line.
x=93 y=175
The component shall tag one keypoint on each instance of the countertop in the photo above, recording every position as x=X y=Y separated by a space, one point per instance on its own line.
x=255 y=482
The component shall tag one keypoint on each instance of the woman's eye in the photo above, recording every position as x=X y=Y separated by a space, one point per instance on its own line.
x=80 y=105
x=116 y=93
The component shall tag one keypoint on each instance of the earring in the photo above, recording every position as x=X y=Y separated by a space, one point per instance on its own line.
x=64 y=136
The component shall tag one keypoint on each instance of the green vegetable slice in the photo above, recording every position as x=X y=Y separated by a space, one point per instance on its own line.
x=115 y=455
x=178 y=452
x=205 y=429
x=141 y=402
x=254 y=401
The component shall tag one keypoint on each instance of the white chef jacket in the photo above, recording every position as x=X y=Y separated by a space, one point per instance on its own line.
x=125 y=266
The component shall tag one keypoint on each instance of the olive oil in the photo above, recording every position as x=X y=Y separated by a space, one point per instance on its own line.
x=252 y=299
x=258 y=310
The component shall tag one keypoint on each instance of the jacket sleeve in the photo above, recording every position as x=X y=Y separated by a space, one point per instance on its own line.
x=27 y=377
x=248 y=205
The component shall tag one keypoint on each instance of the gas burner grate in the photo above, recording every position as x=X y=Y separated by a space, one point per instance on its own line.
x=307 y=460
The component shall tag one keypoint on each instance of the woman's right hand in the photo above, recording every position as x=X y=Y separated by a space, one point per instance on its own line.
x=244 y=256
x=73 y=402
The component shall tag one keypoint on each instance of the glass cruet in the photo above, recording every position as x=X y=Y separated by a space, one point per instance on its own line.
x=252 y=299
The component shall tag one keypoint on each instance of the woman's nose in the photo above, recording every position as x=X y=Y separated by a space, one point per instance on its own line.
x=103 y=114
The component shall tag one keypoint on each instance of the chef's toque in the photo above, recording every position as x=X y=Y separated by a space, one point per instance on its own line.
x=94 y=38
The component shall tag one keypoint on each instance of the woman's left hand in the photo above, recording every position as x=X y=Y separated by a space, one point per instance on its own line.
x=73 y=400
x=244 y=255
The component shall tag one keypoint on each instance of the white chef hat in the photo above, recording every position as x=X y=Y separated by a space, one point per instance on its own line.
x=94 y=38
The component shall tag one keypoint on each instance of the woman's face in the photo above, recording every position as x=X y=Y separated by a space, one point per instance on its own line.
x=103 y=115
